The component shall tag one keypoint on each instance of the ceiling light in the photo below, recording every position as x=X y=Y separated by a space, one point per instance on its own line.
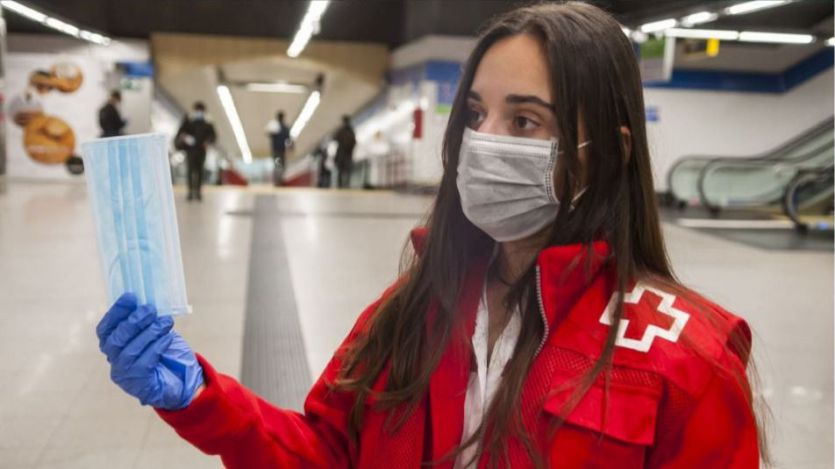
x=749 y=7
x=59 y=25
x=54 y=23
x=304 y=116
x=830 y=42
x=722 y=34
x=661 y=25
x=699 y=18
x=24 y=11
x=639 y=37
x=777 y=38
x=94 y=37
x=235 y=121
x=276 y=88
x=308 y=27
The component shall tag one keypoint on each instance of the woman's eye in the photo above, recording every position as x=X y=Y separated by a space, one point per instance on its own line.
x=474 y=117
x=523 y=123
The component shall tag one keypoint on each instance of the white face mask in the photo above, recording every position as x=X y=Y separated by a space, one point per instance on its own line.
x=507 y=184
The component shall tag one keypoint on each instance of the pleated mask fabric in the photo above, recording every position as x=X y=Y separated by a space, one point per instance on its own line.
x=506 y=184
x=131 y=195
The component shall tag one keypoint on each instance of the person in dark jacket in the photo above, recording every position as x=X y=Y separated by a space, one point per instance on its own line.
x=279 y=133
x=346 y=140
x=110 y=119
x=194 y=137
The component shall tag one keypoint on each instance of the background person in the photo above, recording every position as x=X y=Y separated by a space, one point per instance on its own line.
x=110 y=118
x=346 y=141
x=279 y=134
x=195 y=135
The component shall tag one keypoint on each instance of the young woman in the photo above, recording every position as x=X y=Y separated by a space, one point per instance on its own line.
x=539 y=323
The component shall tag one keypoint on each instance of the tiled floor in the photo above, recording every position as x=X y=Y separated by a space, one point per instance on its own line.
x=58 y=408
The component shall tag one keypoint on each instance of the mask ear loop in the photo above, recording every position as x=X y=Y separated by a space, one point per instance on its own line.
x=584 y=189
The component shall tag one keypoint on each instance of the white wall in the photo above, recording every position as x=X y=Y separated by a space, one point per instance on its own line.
x=695 y=122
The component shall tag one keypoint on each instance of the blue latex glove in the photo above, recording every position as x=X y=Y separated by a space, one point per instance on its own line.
x=148 y=360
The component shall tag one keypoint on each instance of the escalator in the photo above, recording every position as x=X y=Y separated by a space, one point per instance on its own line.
x=758 y=182
x=808 y=200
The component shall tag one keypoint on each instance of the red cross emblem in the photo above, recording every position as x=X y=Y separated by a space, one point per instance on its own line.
x=673 y=319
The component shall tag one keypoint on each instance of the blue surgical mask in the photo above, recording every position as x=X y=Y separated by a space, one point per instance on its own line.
x=129 y=184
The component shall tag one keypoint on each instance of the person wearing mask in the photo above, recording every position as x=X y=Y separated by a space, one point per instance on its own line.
x=279 y=134
x=540 y=323
x=110 y=118
x=195 y=135
x=345 y=142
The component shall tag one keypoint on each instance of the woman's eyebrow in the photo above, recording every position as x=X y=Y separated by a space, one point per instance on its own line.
x=473 y=95
x=520 y=99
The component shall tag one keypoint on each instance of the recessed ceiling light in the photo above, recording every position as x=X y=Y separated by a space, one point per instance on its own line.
x=749 y=7
x=722 y=34
x=777 y=38
x=660 y=25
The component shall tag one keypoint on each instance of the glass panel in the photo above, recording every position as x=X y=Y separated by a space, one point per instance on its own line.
x=729 y=183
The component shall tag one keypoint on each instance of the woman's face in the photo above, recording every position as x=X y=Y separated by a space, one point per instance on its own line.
x=511 y=94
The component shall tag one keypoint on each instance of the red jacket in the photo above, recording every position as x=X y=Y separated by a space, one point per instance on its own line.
x=670 y=404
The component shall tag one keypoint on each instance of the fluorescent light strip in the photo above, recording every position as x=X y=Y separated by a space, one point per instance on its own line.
x=749 y=7
x=699 y=18
x=94 y=37
x=276 y=88
x=59 y=25
x=235 y=121
x=308 y=27
x=24 y=11
x=660 y=25
x=724 y=35
x=777 y=38
x=307 y=112
x=54 y=23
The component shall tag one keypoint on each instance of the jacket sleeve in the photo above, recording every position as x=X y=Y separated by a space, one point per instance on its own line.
x=229 y=420
x=720 y=430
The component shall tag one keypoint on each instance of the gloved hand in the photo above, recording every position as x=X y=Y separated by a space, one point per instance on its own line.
x=147 y=359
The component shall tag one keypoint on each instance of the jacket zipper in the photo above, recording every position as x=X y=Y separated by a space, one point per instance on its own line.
x=541 y=312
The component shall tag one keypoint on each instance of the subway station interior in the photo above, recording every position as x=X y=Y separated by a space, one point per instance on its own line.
x=298 y=144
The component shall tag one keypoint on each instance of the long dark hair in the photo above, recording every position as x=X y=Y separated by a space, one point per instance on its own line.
x=594 y=74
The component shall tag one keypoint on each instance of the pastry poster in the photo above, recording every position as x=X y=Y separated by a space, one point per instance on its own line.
x=52 y=106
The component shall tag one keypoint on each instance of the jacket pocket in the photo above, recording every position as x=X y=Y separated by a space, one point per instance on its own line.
x=627 y=413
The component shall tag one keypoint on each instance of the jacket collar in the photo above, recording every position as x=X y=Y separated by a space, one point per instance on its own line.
x=566 y=272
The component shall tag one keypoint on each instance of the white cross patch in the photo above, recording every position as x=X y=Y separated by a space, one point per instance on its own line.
x=652 y=331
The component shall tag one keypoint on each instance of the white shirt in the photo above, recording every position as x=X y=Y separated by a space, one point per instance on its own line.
x=485 y=380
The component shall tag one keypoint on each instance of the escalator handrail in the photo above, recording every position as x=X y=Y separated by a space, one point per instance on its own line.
x=802 y=138
x=789 y=162
x=790 y=209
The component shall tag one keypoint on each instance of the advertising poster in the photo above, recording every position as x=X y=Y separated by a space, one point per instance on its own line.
x=51 y=107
